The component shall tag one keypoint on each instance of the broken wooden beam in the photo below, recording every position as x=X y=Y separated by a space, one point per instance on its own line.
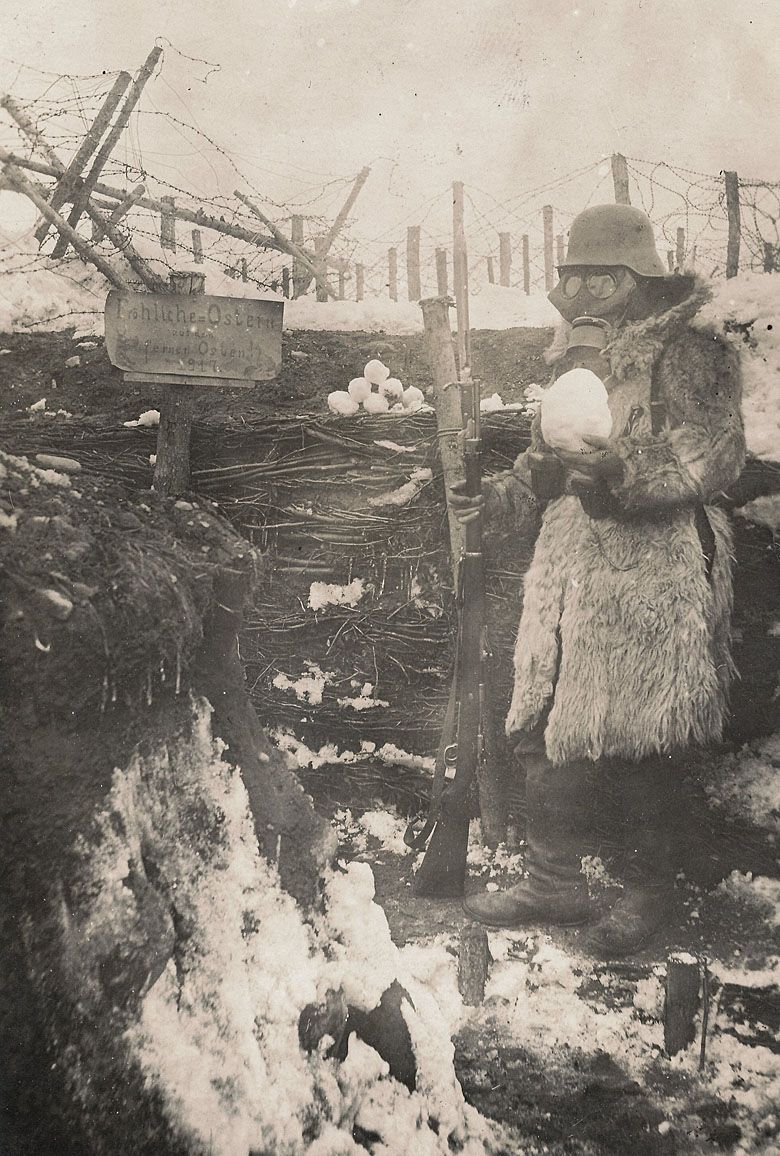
x=66 y=187
x=121 y=210
x=85 y=251
x=119 y=126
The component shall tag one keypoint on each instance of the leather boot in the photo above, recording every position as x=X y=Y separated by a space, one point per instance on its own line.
x=649 y=870
x=557 y=812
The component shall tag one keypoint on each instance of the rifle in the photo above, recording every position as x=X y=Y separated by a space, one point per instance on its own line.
x=445 y=831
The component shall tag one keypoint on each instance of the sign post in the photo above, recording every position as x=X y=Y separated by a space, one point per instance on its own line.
x=185 y=340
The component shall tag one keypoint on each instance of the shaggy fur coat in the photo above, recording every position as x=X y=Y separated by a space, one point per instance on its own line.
x=623 y=648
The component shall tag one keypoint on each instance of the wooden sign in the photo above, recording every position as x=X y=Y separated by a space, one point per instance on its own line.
x=194 y=339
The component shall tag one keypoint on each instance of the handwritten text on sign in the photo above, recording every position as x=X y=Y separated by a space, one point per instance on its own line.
x=199 y=336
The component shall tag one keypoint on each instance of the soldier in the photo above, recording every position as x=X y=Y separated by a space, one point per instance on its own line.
x=622 y=662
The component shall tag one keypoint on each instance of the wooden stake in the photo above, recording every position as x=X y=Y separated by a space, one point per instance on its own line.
x=345 y=210
x=620 y=179
x=526 y=266
x=559 y=251
x=473 y=964
x=168 y=224
x=680 y=252
x=504 y=258
x=321 y=275
x=177 y=409
x=670 y=260
x=549 y=270
x=442 y=284
x=314 y=267
x=460 y=275
x=360 y=282
x=66 y=186
x=490 y=273
x=133 y=96
x=286 y=281
x=342 y=283
x=120 y=211
x=413 y=285
x=300 y=283
x=732 y=208
x=769 y=257
x=197 y=246
x=22 y=185
x=681 y=1006
x=392 y=273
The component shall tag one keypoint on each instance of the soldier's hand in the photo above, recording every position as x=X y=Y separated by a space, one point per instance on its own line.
x=598 y=462
x=465 y=507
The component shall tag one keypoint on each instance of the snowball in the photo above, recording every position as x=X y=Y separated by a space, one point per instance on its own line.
x=412 y=397
x=575 y=406
x=376 y=403
x=341 y=403
x=391 y=389
x=148 y=419
x=359 y=388
x=37 y=406
x=375 y=372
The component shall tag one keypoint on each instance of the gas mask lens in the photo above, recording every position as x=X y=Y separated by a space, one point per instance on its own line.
x=599 y=285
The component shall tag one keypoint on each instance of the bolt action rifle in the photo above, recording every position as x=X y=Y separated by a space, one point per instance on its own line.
x=445 y=830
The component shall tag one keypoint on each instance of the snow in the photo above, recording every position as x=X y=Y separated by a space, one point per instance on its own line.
x=147 y=420
x=405 y=493
x=746 y=784
x=308 y=688
x=575 y=407
x=330 y=594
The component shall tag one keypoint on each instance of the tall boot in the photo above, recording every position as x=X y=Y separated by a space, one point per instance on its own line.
x=650 y=857
x=557 y=818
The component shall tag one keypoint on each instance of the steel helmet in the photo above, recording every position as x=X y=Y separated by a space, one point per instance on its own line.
x=614 y=235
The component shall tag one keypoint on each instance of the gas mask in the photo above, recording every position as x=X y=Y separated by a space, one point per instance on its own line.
x=591 y=291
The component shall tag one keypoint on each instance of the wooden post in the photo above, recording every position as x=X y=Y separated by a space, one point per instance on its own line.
x=360 y=282
x=473 y=963
x=682 y=1002
x=122 y=209
x=732 y=209
x=559 y=251
x=620 y=179
x=168 y=225
x=244 y=271
x=392 y=273
x=172 y=466
x=342 y=283
x=413 y=285
x=298 y=270
x=680 y=249
x=670 y=260
x=490 y=274
x=67 y=182
x=504 y=258
x=197 y=246
x=286 y=281
x=549 y=269
x=321 y=277
x=460 y=275
x=442 y=284
x=86 y=189
x=526 y=266
x=769 y=257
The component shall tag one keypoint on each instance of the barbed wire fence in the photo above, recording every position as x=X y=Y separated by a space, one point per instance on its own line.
x=514 y=242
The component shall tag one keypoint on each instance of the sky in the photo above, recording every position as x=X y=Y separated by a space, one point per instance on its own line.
x=503 y=94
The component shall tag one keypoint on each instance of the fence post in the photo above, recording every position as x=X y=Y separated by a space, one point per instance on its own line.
x=460 y=276
x=299 y=274
x=177 y=409
x=732 y=208
x=342 y=282
x=504 y=258
x=392 y=273
x=321 y=278
x=559 y=252
x=549 y=275
x=680 y=252
x=769 y=257
x=620 y=179
x=526 y=266
x=197 y=246
x=168 y=224
x=490 y=273
x=670 y=260
x=413 y=286
x=442 y=286
x=360 y=282
x=244 y=270
x=286 y=281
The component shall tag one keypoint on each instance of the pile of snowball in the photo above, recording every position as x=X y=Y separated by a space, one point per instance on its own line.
x=377 y=392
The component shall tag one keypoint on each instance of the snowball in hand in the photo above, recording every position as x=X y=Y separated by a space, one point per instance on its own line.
x=341 y=403
x=575 y=407
x=359 y=389
x=375 y=372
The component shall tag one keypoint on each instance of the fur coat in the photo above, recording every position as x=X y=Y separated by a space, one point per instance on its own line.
x=623 y=648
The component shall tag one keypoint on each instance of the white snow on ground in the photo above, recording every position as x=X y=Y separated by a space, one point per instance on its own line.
x=330 y=594
x=746 y=784
x=308 y=688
